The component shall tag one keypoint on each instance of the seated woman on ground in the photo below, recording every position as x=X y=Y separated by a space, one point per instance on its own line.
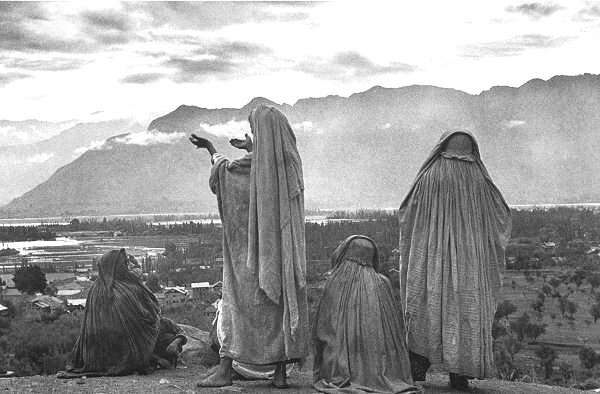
x=358 y=332
x=120 y=325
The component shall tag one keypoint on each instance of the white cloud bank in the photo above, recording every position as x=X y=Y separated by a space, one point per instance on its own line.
x=40 y=157
x=306 y=127
x=15 y=134
x=151 y=137
x=231 y=129
x=515 y=123
x=94 y=145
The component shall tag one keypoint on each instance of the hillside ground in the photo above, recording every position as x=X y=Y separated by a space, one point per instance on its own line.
x=181 y=380
x=566 y=336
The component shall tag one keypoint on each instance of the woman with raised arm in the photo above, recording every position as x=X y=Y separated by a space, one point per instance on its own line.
x=261 y=204
x=454 y=229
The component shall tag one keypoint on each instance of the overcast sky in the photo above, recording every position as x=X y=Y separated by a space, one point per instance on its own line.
x=93 y=61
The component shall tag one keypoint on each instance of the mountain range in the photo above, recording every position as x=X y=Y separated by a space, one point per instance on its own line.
x=539 y=142
x=27 y=164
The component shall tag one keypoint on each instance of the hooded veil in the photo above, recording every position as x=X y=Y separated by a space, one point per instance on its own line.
x=276 y=243
x=454 y=229
x=120 y=324
x=359 y=336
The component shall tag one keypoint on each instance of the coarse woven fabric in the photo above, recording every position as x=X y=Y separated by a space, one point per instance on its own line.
x=120 y=324
x=359 y=337
x=248 y=371
x=252 y=329
x=276 y=239
x=454 y=229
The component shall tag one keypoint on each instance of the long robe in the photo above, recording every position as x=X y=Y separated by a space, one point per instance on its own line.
x=121 y=322
x=454 y=229
x=248 y=371
x=252 y=324
x=359 y=337
x=276 y=240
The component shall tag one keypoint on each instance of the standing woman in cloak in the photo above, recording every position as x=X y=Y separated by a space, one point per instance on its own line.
x=359 y=336
x=454 y=229
x=261 y=204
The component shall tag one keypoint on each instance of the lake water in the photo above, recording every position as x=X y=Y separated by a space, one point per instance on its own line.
x=150 y=218
x=24 y=245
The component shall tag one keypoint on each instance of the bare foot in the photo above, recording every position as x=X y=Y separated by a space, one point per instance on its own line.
x=280 y=377
x=221 y=377
x=217 y=379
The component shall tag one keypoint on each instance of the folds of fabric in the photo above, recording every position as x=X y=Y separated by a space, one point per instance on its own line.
x=251 y=325
x=454 y=228
x=248 y=371
x=276 y=242
x=120 y=324
x=359 y=337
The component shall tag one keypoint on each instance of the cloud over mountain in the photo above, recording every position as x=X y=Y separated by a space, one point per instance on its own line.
x=150 y=137
x=231 y=129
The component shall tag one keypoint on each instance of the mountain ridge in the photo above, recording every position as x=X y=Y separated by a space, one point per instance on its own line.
x=537 y=141
x=26 y=165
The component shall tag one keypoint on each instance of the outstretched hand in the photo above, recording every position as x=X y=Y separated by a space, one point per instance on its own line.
x=242 y=144
x=199 y=141
x=203 y=143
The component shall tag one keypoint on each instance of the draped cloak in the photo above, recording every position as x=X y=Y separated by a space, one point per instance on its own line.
x=359 y=336
x=454 y=229
x=121 y=322
x=252 y=326
x=276 y=239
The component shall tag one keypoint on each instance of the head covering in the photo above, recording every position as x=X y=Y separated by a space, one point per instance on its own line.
x=359 y=249
x=120 y=323
x=276 y=246
x=454 y=229
x=114 y=265
x=438 y=150
x=275 y=146
x=459 y=146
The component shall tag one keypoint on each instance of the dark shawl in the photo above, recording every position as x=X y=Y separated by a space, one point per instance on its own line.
x=120 y=324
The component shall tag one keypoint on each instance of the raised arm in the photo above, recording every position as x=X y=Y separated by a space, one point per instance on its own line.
x=203 y=143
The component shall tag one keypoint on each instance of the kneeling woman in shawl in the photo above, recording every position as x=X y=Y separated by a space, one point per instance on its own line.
x=358 y=332
x=120 y=325
x=454 y=228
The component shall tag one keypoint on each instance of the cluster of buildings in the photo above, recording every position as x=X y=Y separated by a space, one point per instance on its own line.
x=71 y=294
x=200 y=292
